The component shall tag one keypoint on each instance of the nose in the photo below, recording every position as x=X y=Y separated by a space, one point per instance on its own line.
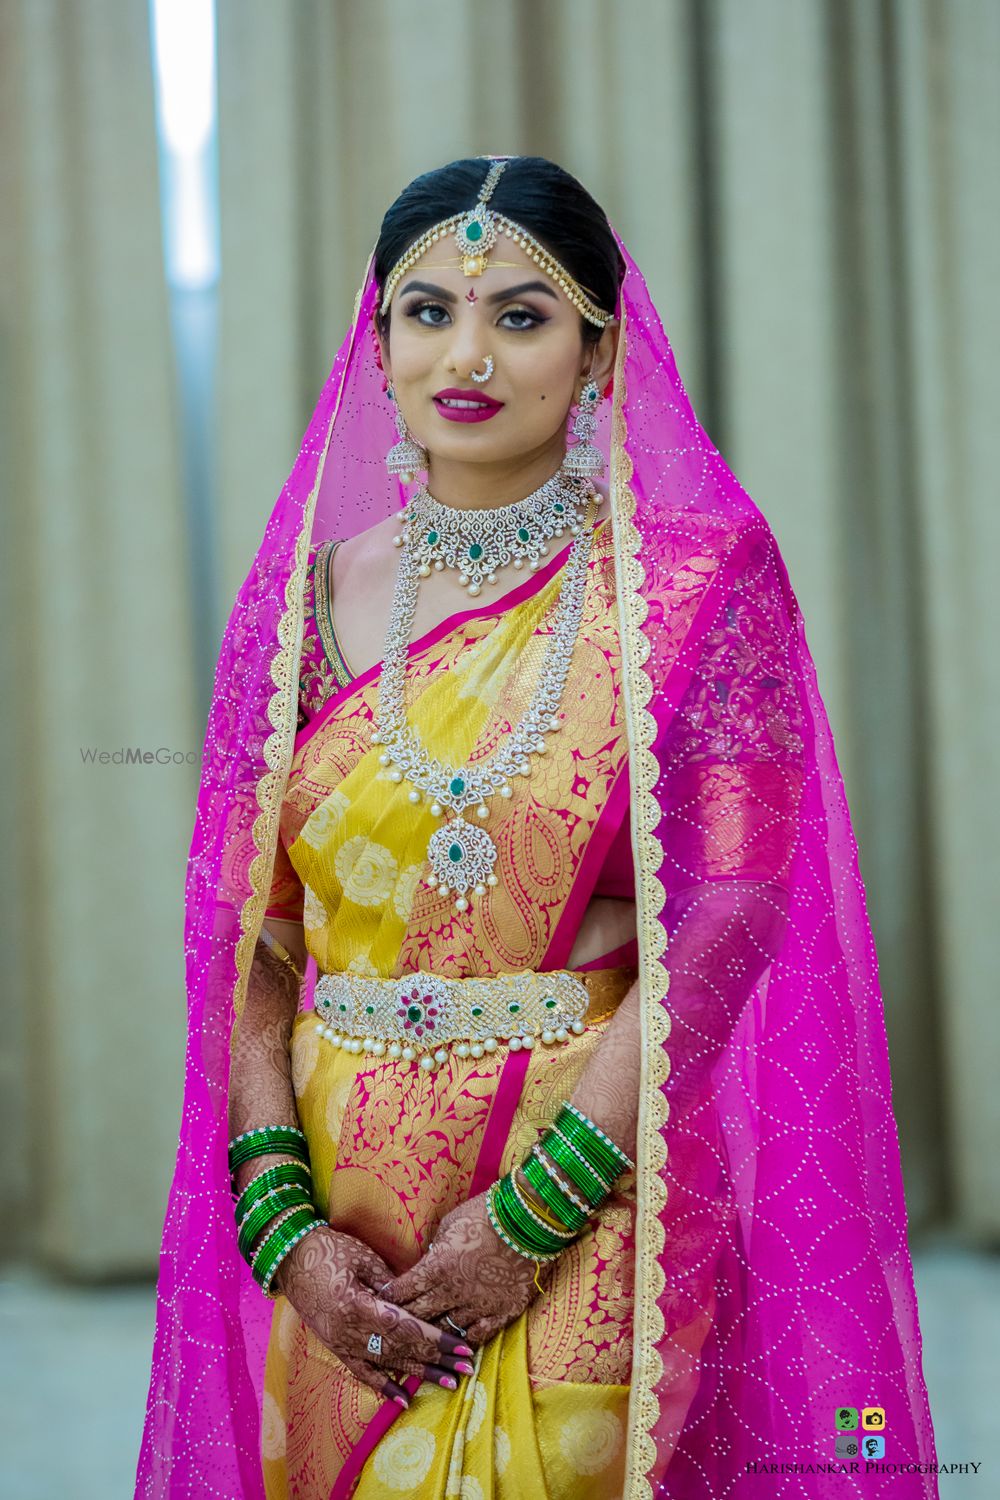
x=466 y=352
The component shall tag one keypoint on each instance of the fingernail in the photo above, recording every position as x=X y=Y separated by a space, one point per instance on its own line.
x=464 y=1367
x=402 y=1401
x=463 y=1349
x=447 y=1380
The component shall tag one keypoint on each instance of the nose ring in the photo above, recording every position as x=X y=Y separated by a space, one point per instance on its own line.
x=480 y=379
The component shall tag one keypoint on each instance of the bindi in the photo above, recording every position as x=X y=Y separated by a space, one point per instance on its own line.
x=470 y=295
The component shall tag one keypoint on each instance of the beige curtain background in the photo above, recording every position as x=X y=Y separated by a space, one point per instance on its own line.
x=96 y=646
x=810 y=187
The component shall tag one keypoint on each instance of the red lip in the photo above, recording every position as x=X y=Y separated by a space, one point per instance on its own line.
x=481 y=413
x=472 y=395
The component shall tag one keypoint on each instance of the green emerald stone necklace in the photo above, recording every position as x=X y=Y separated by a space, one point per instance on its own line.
x=481 y=542
x=462 y=854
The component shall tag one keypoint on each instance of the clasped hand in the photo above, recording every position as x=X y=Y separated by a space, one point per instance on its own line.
x=332 y=1280
x=469 y=1274
x=345 y=1292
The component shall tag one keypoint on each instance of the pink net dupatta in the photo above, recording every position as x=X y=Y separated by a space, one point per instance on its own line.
x=773 y=1284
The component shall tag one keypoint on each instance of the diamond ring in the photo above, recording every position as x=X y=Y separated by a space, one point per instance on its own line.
x=375 y=1346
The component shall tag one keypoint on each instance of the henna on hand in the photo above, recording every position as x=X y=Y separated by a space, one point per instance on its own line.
x=470 y=1274
x=328 y=1278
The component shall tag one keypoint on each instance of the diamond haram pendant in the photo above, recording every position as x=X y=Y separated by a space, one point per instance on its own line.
x=462 y=859
x=462 y=855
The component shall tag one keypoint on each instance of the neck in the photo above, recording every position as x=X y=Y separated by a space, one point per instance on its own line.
x=485 y=486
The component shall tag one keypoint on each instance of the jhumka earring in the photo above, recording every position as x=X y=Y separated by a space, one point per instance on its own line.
x=584 y=460
x=406 y=456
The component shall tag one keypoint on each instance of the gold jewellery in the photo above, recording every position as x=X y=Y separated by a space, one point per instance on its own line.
x=475 y=233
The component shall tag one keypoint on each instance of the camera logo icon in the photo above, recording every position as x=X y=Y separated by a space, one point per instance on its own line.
x=846 y=1418
x=872 y=1446
x=873 y=1419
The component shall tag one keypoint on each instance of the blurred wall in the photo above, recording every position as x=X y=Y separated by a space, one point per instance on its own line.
x=810 y=187
x=95 y=651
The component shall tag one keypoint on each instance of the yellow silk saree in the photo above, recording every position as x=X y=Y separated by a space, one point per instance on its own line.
x=394 y=1148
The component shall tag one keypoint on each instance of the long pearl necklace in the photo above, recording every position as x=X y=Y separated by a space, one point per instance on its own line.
x=462 y=854
x=481 y=542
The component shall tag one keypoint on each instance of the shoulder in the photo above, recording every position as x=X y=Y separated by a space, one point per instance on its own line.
x=364 y=554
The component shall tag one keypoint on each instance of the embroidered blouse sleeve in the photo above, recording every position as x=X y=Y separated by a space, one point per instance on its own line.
x=323 y=670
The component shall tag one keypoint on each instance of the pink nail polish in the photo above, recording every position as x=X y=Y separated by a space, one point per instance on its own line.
x=402 y=1401
x=463 y=1349
x=446 y=1380
x=465 y=1368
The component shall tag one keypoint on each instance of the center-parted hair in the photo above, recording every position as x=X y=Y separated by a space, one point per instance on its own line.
x=543 y=197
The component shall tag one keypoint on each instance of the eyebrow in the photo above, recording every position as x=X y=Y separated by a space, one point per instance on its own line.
x=503 y=296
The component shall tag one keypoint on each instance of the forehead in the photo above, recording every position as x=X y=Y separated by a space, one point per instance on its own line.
x=508 y=264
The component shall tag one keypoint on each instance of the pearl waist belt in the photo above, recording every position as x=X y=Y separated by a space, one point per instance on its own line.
x=421 y=1017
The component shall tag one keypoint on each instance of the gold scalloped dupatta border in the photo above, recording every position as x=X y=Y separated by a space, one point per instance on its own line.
x=654 y=980
x=279 y=747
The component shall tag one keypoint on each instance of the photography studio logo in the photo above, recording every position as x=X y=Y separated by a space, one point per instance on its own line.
x=859 y=1433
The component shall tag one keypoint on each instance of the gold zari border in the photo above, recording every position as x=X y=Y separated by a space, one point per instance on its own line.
x=654 y=980
x=282 y=710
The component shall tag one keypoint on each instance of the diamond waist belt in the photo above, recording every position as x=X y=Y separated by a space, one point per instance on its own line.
x=422 y=1017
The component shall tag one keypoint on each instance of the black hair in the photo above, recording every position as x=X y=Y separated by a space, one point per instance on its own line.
x=537 y=194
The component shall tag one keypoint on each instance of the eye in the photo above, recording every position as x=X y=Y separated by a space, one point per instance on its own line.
x=417 y=310
x=532 y=318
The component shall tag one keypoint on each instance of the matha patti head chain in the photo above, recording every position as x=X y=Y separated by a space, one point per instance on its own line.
x=475 y=233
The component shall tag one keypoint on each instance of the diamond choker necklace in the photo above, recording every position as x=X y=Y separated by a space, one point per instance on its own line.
x=481 y=542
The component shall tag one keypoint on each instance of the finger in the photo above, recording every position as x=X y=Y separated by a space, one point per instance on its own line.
x=464 y=1317
x=481 y=1330
x=372 y=1270
x=437 y=1375
x=381 y=1383
x=419 y=1340
x=431 y=1306
x=449 y=1365
x=418 y=1279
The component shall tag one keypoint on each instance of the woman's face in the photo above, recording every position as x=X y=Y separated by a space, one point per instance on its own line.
x=443 y=324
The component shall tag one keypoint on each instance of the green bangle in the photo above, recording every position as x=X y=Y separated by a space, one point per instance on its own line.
x=502 y=1234
x=538 y=1160
x=258 y=1187
x=593 y=1141
x=579 y=1171
x=279 y=1242
x=562 y=1233
x=528 y=1232
x=569 y=1210
x=264 y=1140
x=292 y=1195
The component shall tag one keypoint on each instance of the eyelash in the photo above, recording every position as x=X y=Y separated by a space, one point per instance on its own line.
x=520 y=312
